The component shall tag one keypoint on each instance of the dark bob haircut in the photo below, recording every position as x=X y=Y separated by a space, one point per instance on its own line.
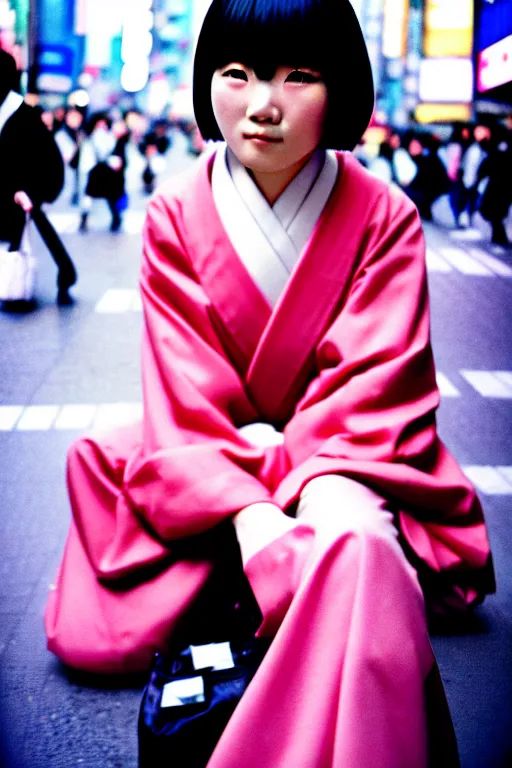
x=264 y=34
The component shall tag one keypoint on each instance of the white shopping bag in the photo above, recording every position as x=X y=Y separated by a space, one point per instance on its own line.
x=17 y=271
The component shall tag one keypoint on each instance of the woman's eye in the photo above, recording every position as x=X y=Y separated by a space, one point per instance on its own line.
x=236 y=74
x=298 y=76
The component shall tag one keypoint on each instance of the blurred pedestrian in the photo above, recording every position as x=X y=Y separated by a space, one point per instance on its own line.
x=497 y=195
x=31 y=169
x=69 y=140
x=430 y=180
x=452 y=156
x=153 y=147
x=471 y=164
x=404 y=167
x=382 y=165
x=104 y=155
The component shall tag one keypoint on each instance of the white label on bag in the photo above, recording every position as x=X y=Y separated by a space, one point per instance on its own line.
x=177 y=693
x=214 y=655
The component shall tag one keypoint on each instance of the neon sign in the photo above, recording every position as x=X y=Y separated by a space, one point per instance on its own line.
x=495 y=65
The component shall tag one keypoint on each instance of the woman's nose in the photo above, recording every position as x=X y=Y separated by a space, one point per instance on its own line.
x=262 y=107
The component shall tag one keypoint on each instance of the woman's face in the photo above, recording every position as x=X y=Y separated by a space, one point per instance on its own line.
x=271 y=126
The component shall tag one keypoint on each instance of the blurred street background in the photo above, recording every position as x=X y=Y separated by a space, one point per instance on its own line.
x=114 y=76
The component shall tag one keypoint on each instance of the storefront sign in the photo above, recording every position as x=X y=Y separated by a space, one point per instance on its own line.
x=448 y=28
x=394 y=32
x=446 y=80
x=495 y=65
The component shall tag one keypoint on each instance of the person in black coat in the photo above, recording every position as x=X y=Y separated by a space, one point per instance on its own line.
x=107 y=143
x=30 y=163
x=497 y=197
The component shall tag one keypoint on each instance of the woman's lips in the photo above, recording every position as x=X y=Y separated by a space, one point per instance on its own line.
x=262 y=138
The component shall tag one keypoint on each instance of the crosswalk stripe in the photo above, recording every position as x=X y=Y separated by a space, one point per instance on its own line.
x=111 y=415
x=493 y=481
x=505 y=377
x=446 y=388
x=9 y=415
x=80 y=416
x=463 y=262
x=496 y=265
x=68 y=222
x=37 y=418
x=435 y=263
x=489 y=383
x=75 y=416
x=470 y=234
x=116 y=300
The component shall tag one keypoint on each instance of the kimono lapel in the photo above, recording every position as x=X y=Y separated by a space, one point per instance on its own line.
x=314 y=292
x=241 y=215
x=241 y=311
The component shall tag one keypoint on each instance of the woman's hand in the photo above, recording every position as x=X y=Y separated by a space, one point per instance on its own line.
x=275 y=549
x=23 y=200
x=258 y=525
x=115 y=162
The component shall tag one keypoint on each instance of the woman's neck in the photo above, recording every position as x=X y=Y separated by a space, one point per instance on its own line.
x=272 y=185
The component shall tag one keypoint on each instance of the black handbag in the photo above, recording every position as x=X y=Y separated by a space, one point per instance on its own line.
x=195 y=687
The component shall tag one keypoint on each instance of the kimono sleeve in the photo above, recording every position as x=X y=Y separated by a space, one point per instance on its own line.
x=369 y=413
x=370 y=410
x=194 y=469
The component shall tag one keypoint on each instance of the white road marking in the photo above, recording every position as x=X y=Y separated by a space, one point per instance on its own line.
x=136 y=304
x=111 y=415
x=75 y=416
x=78 y=416
x=463 y=262
x=37 y=418
x=435 y=263
x=493 y=481
x=66 y=223
x=133 y=222
x=494 y=264
x=470 y=234
x=505 y=377
x=9 y=415
x=488 y=383
x=446 y=388
x=506 y=472
x=116 y=301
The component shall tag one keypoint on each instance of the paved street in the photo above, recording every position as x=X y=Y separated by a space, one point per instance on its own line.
x=66 y=370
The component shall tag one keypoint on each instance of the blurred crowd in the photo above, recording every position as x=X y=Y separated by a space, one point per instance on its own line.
x=472 y=166
x=95 y=149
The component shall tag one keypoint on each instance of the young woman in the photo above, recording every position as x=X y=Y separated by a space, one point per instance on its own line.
x=289 y=385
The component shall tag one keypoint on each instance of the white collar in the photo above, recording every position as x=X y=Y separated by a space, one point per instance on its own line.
x=270 y=240
x=10 y=104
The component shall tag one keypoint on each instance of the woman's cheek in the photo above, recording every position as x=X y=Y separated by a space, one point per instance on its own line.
x=224 y=106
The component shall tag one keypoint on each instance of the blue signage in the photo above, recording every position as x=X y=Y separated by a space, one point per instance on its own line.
x=493 y=22
x=55 y=59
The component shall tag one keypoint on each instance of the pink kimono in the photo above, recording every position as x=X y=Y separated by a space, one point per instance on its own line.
x=343 y=367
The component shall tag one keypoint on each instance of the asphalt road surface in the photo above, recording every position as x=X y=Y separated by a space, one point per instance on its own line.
x=64 y=370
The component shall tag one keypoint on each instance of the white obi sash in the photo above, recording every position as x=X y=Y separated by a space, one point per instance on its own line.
x=270 y=239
